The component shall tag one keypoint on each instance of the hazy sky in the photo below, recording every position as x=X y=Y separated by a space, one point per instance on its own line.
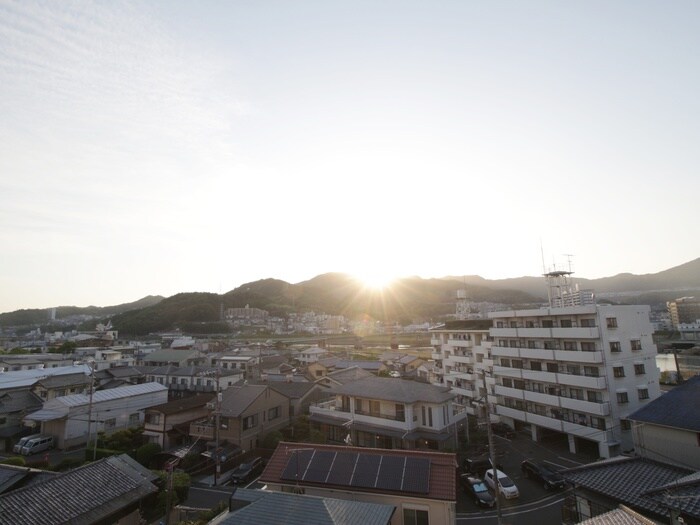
x=163 y=147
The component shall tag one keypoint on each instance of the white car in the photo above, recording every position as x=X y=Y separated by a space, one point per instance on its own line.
x=505 y=485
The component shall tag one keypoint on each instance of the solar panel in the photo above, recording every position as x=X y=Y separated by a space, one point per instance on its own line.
x=342 y=468
x=296 y=465
x=319 y=466
x=416 y=475
x=390 y=474
x=366 y=469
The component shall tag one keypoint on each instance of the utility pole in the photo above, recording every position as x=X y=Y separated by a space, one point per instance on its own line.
x=216 y=430
x=92 y=387
x=491 y=451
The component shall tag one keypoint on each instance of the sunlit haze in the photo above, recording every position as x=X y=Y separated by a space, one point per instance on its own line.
x=165 y=147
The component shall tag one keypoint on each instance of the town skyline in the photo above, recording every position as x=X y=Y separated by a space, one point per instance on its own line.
x=151 y=149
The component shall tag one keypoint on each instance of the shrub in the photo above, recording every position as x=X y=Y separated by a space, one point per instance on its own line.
x=18 y=461
x=145 y=453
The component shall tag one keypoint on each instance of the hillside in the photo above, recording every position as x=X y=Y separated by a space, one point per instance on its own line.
x=37 y=316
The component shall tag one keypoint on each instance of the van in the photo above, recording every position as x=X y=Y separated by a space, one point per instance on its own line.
x=36 y=445
x=17 y=449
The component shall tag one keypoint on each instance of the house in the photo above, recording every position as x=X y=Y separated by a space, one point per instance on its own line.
x=312 y=355
x=374 y=367
x=168 y=424
x=668 y=428
x=111 y=490
x=14 y=405
x=321 y=368
x=660 y=491
x=28 y=377
x=421 y=485
x=248 y=413
x=120 y=376
x=408 y=364
x=389 y=413
x=300 y=395
x=343 y=376
x=252 y=507
x=187 y=380
x=69 y=418
x=60 y=385
x=174 y=357
x=245 y=364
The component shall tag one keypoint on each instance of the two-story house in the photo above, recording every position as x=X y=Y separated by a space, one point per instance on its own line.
x=168 y=424
x=389 y=413
x=247 y=414
x=187 y=380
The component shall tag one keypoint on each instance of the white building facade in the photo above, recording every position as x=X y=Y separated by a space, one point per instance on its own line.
x=575 y=370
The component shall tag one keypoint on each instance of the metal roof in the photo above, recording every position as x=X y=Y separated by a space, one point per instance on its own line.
x=676 y=408
x=392 y=389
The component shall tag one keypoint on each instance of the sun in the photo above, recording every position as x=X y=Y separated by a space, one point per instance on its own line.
x=375 y=278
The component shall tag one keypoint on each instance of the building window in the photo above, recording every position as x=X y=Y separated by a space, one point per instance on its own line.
x=618 y=371
x=625 y=424
x=565 y=323
x=639 y=369
x=529 y=324
x=636 y=344
x=535 y=365
x=273 y=413
x=611 y=322
x=134 y=419
x=531 y=344
x=513 y=343
x=615 y=346
x=513 y=324
x=415 y=517
x=517 y=363
x=430 y=416
x=400 y=411
x=587 y=323
x=422 y=409
x=591 y=371
x=110 y=423
x=594 y=396
x=598 y=422
x=507 y=382
x=552 y=367
x=574 y=370
x=569 y=345
x=576 y=393
x=643 y=393
x=499 y=324
x=502 y=342
x=505 y=362
x=588 y=347
x=622 y=398
x=547 y=323
x=250 y=422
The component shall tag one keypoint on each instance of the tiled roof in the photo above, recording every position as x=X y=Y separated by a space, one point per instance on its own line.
x=640 y=483
x=124 y=371
x=297 y=509
x=236 y=399
x=366 y=365
x=64 y=380
x=84 y=495
x=18 y=400
x=171 y=355
x=441 y=482
x=349 y=374
x=180 y=405
x=621 y=516
x=11 y=475
x=293 y=390
x=391 y=389
x=191 y=371
x=676 y=408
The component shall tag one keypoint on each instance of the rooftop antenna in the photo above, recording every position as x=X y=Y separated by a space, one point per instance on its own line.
x=568 y=259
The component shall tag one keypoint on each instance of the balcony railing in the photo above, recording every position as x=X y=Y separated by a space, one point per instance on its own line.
x=202 y=430
x=398 y=417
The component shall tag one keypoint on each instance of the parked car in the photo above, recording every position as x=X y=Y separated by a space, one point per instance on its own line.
x=37 y=444
x=247 y=470
x=22 y=441
x=506 y=487
x=478 y=466
x=549 y=478
x=477 y=489
x=503 y=430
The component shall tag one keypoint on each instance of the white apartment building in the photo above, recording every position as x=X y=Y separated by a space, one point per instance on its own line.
x=462 y=352
x=574 y=370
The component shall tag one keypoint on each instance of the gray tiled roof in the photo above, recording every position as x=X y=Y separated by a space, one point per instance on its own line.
x=676 y=408
x=391 y=389
x=297 y=509
x=621 y=516
x=292 y=390
x=640 y=483
x=18 y=400
x=349 y=374
x=366 y=365
x=236 y=399
x=64 y=380
x=82 y=496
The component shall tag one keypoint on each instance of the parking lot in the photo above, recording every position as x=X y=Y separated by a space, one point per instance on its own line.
x=511 y=453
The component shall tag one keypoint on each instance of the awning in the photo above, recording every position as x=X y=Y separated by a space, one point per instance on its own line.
x=45 y=415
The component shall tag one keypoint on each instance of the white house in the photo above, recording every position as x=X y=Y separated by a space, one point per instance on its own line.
x=66 y=417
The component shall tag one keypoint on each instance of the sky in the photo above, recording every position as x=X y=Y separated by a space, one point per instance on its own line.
x=165 y=147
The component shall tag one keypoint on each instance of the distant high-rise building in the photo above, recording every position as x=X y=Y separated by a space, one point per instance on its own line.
x=684 y=310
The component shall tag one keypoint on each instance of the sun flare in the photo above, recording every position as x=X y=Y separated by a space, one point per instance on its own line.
x=376 y=280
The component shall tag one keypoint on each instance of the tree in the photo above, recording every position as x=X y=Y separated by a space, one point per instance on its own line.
x=145 y=453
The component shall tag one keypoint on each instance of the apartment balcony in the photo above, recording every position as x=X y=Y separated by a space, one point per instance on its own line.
x=462 y=391
x=506 y=371
x=555 y=424
x=437 y=356
x=540 y=376
x=328 y=408
x=591 y=382
x=467 y=359
x=503 y=332
x=515 y=393
x=576 y=332
x=578 y=356
x=461 y=342
x=590 y=407
x=505 y=351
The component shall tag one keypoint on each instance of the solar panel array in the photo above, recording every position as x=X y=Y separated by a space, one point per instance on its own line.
x=355 y=469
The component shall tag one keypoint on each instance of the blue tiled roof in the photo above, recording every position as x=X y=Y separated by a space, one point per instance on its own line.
x=676 y=408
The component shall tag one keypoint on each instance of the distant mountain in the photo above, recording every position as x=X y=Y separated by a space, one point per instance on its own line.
x=406 y=300
x=674 y=280
x=37 y=316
